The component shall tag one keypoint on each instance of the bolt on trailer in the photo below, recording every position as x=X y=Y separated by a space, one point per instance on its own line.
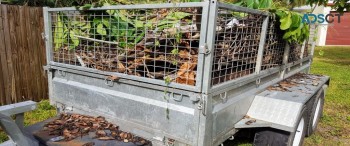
x=183 y=73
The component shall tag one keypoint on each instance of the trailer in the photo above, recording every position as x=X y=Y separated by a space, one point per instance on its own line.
x=229 y=73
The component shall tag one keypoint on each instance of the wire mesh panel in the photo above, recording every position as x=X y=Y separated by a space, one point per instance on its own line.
x=307 y=49
x=294 y=53
x=152 y=43
x=236 y=45
x=274 y=45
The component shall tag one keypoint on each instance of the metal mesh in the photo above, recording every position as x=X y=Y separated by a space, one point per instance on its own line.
x=274 y=45
x=236 y=45
x=294 y=53
x=153 y=43
x=307 y=49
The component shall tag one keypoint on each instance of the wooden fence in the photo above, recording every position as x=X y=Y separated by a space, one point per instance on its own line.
x=22 y=54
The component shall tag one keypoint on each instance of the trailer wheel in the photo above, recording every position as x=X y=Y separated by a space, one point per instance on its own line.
x=316 y=113
x=275 y=137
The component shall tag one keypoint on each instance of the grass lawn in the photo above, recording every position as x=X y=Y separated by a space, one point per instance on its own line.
x=334 y=128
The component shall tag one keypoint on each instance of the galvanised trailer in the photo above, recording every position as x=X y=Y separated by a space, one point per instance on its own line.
x=259 y=83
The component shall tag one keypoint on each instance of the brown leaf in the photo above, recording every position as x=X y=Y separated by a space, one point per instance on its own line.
x=250 y=122
x=121 y=67
x=106 y=138
x=89 y=144
x=114 y=134
x=285 y=84
x=184 y=54
x=123 y=135
x=100 y=133
x=246 y=117
x=74 y=131
x=142 y=142
x=186 y=75
x=113 y=78
x=113 y=128
x=59 y=122
x=86 y=129
x=187 y=78
x=73 y=127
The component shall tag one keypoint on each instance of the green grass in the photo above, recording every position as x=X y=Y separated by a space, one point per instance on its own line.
x=334 y=128
x=43 y=112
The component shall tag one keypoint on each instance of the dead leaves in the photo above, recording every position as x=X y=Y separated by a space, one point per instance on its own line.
x=293 y=81
x=250 y=122
x=71 y=126
x=113 y=78
x=186 y=75
x=165 y=50
x=282 y=86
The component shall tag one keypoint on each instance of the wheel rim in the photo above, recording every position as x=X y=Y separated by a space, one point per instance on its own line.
x=299 y=133
x=317 y=111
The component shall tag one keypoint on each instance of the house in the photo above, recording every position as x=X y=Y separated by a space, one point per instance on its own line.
x=338 y=33
x=335 y=33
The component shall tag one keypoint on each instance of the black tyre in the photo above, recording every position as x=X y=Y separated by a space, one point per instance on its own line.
x=316 y=112
x=275 y=137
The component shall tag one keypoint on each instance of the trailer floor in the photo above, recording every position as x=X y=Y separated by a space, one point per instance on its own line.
x=35 y=131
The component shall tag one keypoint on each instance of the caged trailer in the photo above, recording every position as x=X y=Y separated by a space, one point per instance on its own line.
x=175 y=74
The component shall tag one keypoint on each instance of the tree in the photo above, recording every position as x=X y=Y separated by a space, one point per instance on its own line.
x=339 y=5
x=29 y=2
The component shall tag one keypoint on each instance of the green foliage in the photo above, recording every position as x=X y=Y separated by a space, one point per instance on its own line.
x=120 y=26
x=255 y=4
x=66 y=31
x=167 y=80
x=60 y=33
x=45 y=105
x=339 y=5
x=291 y=24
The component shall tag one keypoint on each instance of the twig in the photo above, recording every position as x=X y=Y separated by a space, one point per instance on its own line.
x=96 y=40
x=80 y=61
x=148 y=73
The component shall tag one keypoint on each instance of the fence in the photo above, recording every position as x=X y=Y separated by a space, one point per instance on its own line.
x=22 y=54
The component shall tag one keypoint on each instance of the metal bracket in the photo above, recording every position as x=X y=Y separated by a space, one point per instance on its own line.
x=47 y=68
x=44 y=37
x=176 y=99
x=258 y=81
x=202 y=105
x=109 y=82
x=62 y=73
x=195 y=97
x=223 y=97
x=204 y=49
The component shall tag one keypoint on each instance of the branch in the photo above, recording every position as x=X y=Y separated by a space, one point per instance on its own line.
x=96 y=40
